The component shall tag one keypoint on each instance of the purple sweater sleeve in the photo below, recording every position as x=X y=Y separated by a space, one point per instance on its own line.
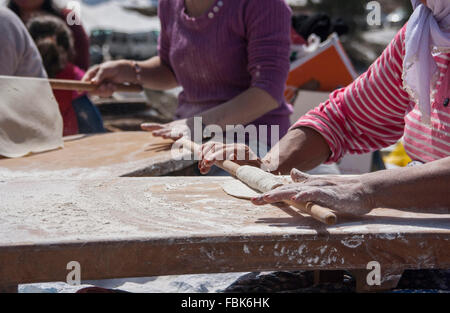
x=267 y=25
x=163 y=39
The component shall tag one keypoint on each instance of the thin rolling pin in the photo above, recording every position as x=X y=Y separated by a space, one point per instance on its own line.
x=322 y=214
x=65 y=84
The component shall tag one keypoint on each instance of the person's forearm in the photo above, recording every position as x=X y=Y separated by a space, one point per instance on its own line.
x=423 y=186
x=154 y=74
x=302 y=148
x=241 y=110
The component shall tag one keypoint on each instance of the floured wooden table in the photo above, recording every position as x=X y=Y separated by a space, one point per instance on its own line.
x=99 y=156
x=133 y=227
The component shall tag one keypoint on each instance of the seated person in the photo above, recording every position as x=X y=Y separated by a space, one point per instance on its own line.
x=18 y=53
x=55 y=43
x=405 y=93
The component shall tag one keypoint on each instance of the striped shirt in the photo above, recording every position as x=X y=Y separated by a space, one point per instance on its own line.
x=375 y=112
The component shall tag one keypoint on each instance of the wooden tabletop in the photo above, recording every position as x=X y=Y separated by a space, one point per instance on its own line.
x=132 y=227
x=99 y=156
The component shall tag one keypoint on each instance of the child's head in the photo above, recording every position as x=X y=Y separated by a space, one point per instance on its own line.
x=54 y=40
x=30 y=4
x=27 y=8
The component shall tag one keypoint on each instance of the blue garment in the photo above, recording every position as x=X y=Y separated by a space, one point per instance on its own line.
x=89 y=118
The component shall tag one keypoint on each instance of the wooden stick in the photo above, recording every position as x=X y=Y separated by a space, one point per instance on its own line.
x=65 y=84
x=322 y=214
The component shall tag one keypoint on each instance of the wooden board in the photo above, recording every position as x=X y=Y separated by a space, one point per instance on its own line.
x=133 y=227
x=99 y=156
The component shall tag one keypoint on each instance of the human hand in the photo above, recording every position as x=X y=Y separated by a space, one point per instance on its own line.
x=343 y=194
x=212 y=152
x=107 y=75
x=173 y=130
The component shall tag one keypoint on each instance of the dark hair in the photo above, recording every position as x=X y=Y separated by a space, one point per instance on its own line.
x=54 y=40
x=48 y=6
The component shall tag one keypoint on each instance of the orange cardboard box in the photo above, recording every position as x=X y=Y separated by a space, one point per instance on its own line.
x=328 y=65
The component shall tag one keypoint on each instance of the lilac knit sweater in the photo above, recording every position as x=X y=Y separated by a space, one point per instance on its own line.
x=235 y=45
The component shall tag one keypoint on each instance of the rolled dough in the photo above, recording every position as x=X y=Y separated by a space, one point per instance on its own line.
x=30 y=120
x=256 y=181
x=239 y=190
x=259 y=179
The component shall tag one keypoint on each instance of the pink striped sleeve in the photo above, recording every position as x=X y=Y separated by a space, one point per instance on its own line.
x=367 y=114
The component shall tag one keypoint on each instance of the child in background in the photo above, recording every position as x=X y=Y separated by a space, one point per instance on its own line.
x=27 y=9
x=55 y=43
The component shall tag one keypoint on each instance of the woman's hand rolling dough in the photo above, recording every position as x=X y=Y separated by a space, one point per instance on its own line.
x=343 y=194
x=212 y=152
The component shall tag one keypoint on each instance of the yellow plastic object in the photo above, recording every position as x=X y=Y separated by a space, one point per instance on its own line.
x=398 y=156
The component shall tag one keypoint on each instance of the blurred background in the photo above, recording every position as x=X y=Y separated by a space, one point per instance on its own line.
x=129 y=29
